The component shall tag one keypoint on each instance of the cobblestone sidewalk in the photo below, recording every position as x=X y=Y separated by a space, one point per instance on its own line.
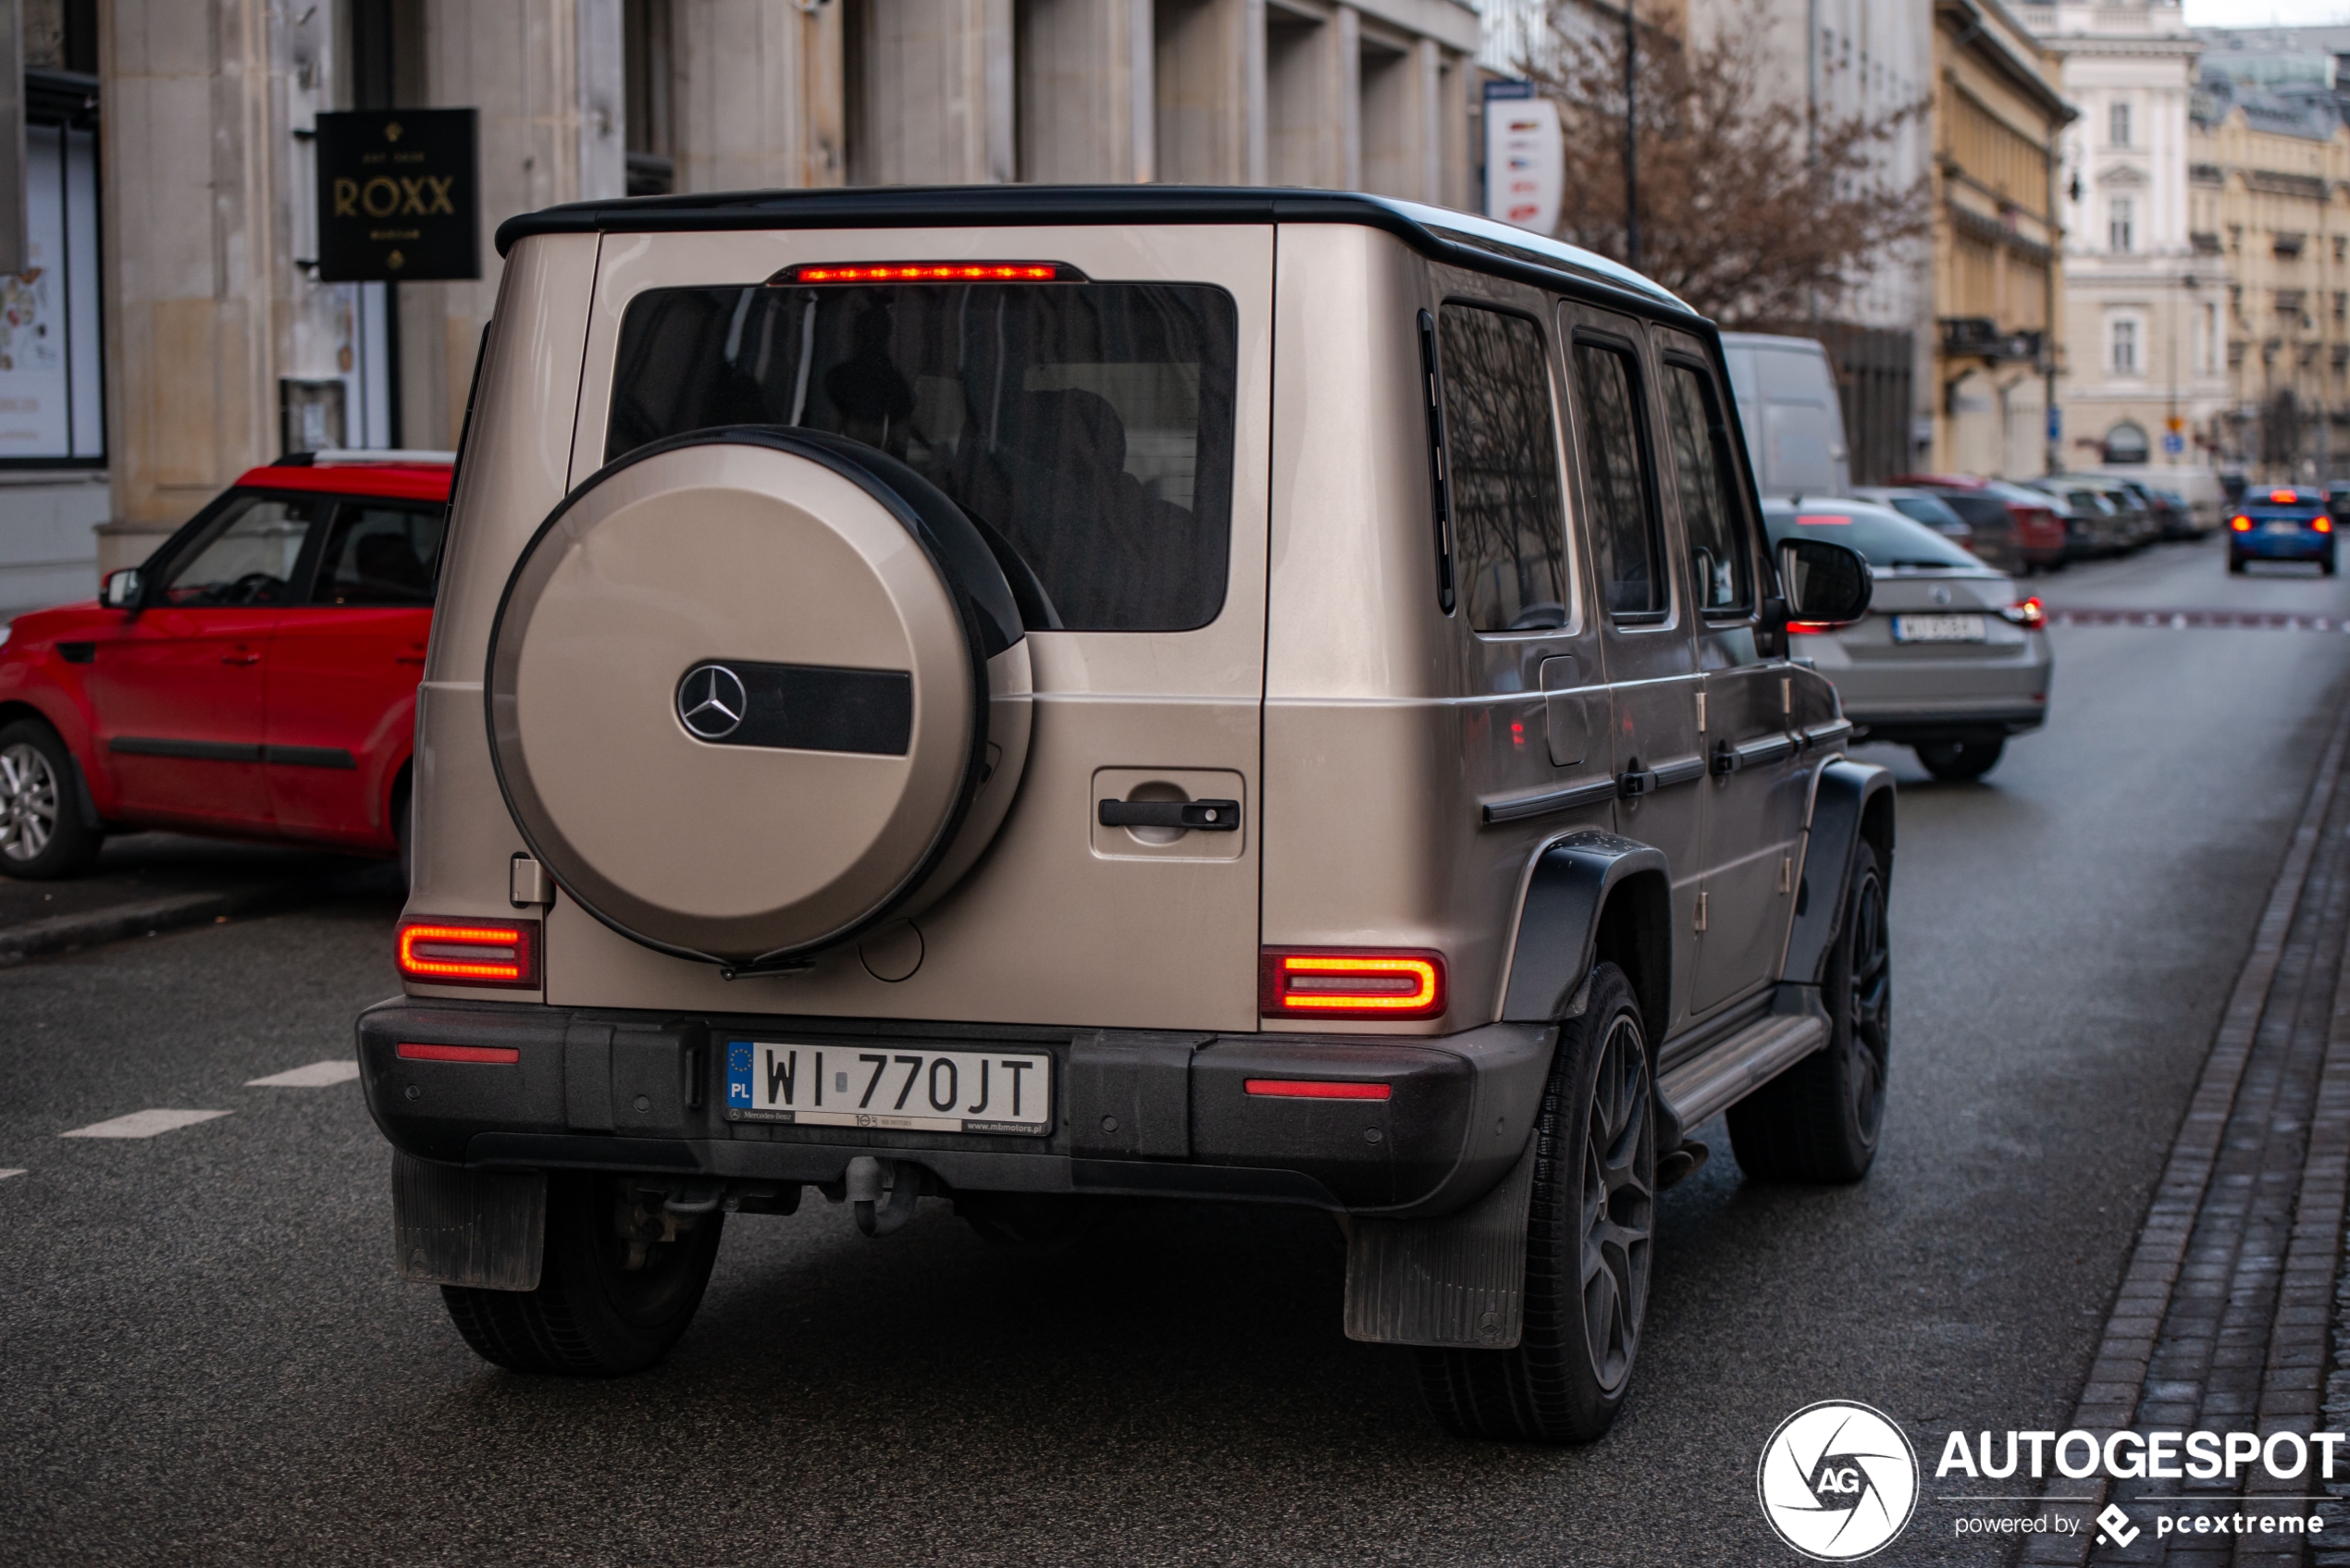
x=2225 y=1320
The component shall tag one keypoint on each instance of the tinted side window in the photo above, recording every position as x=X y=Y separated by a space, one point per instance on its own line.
x=1702 y=471
x=1508 y=522
x=1087 y=427
x=381 y=552
x=248 y=555
x=1626 y=547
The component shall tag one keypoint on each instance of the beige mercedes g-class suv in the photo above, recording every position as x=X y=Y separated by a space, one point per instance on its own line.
x=1036 y=697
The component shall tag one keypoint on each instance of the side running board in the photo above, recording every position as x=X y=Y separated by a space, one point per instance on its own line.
x=1738 y=1065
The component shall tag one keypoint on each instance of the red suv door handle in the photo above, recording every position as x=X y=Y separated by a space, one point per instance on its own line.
x=240 y=656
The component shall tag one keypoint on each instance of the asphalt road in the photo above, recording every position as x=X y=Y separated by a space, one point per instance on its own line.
x=203 y=1355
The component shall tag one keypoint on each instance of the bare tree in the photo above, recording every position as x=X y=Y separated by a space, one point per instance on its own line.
x=1756 y=212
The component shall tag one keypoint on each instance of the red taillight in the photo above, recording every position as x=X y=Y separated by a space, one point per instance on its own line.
x=470 y=952
x=1316 y=1089
x=1823 y=520
x=1809 y=628
x=2240 y=525
x=1351 y=984
x=2283 y=498
x=2323 y=524
x=2031 y=615
x=930 y=272
x=486 y=1056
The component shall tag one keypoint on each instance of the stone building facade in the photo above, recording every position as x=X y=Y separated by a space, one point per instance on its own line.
x=2269 y=195
x=2135 y=318
x=215 y=329
x=1998 y=249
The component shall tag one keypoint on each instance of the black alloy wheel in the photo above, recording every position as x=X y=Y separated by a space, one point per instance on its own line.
x=1590 y=1239
x=1820 y=1120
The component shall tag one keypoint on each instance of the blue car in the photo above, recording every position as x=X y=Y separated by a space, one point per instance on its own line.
x=2281 y=526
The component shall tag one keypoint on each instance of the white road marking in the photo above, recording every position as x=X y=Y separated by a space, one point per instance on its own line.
x=142 y=1124
x=317 y=1075
x=5 y=1174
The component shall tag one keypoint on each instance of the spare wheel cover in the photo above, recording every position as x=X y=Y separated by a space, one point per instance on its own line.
x=736 y=703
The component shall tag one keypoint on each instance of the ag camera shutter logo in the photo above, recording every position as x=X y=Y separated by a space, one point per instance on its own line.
x=1837 y=1480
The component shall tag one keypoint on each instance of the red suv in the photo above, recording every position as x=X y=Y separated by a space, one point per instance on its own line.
x=256 y=678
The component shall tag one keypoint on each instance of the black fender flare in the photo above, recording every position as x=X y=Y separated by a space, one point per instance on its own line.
x=1567 y=894
x=1848 y=796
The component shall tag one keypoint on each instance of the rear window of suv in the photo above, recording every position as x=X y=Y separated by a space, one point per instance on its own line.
x=1888 y=540
x=1089 y=425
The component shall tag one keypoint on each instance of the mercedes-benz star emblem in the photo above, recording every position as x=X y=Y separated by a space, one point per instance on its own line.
x=710 y=702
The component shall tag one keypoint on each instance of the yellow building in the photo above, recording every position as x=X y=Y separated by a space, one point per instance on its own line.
x=2269 y=199
x=1997 y=251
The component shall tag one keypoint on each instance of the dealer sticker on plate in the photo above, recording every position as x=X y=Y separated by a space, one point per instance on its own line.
x=1939 y=628
x=889 y=1086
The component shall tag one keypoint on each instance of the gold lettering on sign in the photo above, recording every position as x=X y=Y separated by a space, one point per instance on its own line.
x=346 y=198
x=426 y=195
x=390 y=189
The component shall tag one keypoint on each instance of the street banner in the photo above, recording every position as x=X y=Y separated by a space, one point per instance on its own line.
x=399 y=196
x=1525 y=159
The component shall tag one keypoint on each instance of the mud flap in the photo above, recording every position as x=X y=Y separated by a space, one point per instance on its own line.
x=1459 y=1280
x=452 y=1225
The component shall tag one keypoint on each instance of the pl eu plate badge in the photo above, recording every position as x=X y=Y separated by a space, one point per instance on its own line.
x=738 y=1076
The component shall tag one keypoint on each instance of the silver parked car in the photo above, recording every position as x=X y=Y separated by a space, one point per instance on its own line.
x=1948 y=660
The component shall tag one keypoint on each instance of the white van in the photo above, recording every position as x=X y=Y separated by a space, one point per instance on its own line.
x=1786 y=393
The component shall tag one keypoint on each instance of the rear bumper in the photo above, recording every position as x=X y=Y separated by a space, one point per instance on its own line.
x=1915 y=729
x=2282 y=547
x=1152 y=1114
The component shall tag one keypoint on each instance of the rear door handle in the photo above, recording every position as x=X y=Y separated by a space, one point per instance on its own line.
x=240 y=657
x=1202 y=816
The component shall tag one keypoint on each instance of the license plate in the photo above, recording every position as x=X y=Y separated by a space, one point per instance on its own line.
x=1939 y=628
x=909 y=1091
x=2285 y=526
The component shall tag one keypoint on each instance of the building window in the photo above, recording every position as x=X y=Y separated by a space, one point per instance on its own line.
x=2121 y=225
x=2125 y=443
x=52 y=404
x=2124 y=341
x=2118 y=122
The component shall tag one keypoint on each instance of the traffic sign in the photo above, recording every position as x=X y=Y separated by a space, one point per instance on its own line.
x=2174 y=443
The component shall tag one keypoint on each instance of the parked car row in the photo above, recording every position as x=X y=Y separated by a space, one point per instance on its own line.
x=2051 y=521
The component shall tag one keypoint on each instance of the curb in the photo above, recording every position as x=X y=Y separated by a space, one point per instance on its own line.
x=63 y=933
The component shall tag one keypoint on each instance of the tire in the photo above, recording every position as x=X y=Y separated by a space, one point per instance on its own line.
x=2327 y=566
x=42 y=833
x=1587 y=1261
x=2235 y=564
x=1958 y=761
x=1821 y=1119
x=591 y=1315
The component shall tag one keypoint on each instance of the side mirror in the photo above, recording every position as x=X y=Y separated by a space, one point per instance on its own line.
x=120 y=590
x=1825 y=583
